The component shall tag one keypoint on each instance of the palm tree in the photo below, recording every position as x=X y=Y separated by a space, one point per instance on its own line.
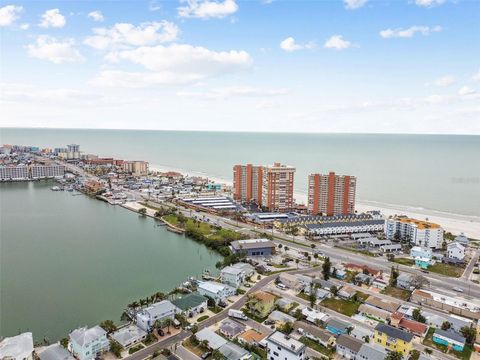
x=168 y=322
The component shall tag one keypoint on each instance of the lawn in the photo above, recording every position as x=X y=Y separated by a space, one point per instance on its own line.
x=345 y=307
x=404 y=261
x=135 y=348
x=446 y=269
x=318 y=347
x=202 y=318
x=465 y=355
x=362 y=252
x=196 y=349
x=396 y=292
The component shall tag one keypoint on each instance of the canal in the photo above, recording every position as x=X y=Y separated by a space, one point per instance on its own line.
x=68 y=261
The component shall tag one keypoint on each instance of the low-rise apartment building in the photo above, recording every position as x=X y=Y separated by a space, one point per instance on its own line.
x=283 y=347
x=393 y=339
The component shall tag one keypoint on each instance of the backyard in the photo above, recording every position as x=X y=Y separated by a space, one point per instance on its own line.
x=465 y=355
x=446 y=269
x=396 y=292
x=318 y=347
x=345 y=307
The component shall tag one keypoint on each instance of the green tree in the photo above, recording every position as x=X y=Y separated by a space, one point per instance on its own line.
x=469 y=333
x=446 y=325
x=417 y=315
x=286 y=328
x=168 y=322
x=313 y=246
x=394 y=355
x=326 y=268
x=142 y=211
x=334 y=290
x=64 y=342
x=313 y=295
x=108 y=325
x=393 y=276
x=297 y=261
x=115 y=348
x=414 y=355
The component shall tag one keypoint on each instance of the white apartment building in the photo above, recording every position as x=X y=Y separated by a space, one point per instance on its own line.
x=47 y=171
x=277 y=187
x=19 y=172
x=283 y=347
x=418 y=232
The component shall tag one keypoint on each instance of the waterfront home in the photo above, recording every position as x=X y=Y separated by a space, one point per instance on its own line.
x=216 y=291
x=314 y=316
x=393 y=339
x=231 y=328
x=54 y=352
x=251 y=337
x=371 y=352
x=261 y=303
x=284 y=347
x=253 y=247
x=315 y=333
x=232 y=276
x=191 y=305
x=456 y=251
x=232 y=351
x=337 y=326
x=449 y=339
x=88 y=343
x=405 y=281
x=159 y=311
x=462 y=239
x=348 y=347
x=213 y=340
x=128 y=335
x=18 y=347
x=248 y=269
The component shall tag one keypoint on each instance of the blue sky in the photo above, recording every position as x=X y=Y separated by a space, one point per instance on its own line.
x=404 y=66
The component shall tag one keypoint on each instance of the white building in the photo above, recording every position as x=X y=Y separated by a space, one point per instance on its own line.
x=18 y=347
x=456 y=251
x=19 y=172
x=159 y=311
x=418 y=232
x=283 y=347
x=232 y=276
x=87 y=344
x=47 y=171
x=216 y=291
x=129 y=335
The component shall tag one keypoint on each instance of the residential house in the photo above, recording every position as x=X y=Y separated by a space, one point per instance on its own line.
x=216 y=291
x=374 y=312
x=363 y=269
x=191 y=305
x=348 y=347
x=232 y=276
x=346 y=292
x=231 y=329
x=405 y=281
x=231 y=351
x=315 y=333
x=456 y=251
x=337 y=326
x=362 y=278
x=462 y=239
x=251 y=337
x=290 y=281
x=248 y=269
x=54 y=352
x=159 y=311
x=360 y=332
x=382 y=304
x=213 y=340
x=380 y=283
x=339 y=274
x=421 y=252
x=280 y=318
x=261 y=303
x=305 y=280
x=449 y=338
x=88 y=343
x=285 y=304
x=128 y=335
x=416 y=328
x=314 y=316
x=393 y=339
x=18 y=347
x=371 y=352
x=284 y=347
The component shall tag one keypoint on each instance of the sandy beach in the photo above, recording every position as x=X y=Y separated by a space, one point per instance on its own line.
x=454 y=223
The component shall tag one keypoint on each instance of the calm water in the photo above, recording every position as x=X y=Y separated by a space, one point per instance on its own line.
x=427 y=171
x=67 y=260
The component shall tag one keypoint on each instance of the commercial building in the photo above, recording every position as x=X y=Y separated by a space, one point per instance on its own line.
x=331 y=194
x=18 y=347
x=270 y=187
x=138 y=168
x=283 y=347
x=217 y=203
x=418 y=232
x=47 y=171
x=88 y=343
x=393 y=339
x=159 y=311
x=216 y=291
x=253 y=247
x=8 y=173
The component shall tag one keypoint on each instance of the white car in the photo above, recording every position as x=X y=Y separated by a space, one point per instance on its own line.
x=457 y=289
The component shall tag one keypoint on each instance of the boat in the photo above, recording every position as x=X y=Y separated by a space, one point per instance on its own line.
x=55 y=188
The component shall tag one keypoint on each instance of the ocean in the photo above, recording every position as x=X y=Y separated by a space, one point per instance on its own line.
x=432 y=172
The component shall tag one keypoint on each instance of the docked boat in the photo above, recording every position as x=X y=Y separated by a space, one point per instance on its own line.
x=55 y=188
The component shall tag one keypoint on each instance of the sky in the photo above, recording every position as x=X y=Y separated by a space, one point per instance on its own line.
x=355 y=66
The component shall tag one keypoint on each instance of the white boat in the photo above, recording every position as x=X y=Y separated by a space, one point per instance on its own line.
x=55 y=188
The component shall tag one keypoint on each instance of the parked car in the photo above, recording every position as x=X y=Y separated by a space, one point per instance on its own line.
x=458 y=289
x=206 y=355
x=161 y=332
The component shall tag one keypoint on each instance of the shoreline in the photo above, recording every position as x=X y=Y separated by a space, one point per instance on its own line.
x=451 y=222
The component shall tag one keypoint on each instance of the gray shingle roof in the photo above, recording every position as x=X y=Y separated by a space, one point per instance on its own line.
x=55 y=352
x=83 y=336
x=350 y=343
x=451 y=335
x=394 y=332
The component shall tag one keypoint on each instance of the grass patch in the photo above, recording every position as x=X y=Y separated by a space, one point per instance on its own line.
x=215 y=309
x=197 y=349
x=135 y=348
x=279 y=266
x=428 y=341
x=202 y=318
x=396 y=292
x=446 y=269
x=404 y=261
x=253 y=316
x=318 y=347
x=356 y=251
x=303 y=296
x=345 y=307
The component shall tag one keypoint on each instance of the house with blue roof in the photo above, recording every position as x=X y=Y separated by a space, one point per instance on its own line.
x=337 y=326
x=449 y=338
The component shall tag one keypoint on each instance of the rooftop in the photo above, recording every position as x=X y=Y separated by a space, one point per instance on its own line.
x=189 y=301
x=251 y=336
x=83 y=336
x=214 y=340
x=55 y=352
x=350 y=343
x=420 y=224
x=128 y=334
x=252 y=244
x=19 y=346
x=286 y=342
x=394 y=332
x=159 y=308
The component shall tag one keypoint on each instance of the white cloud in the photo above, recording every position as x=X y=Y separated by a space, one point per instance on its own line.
x=409 y=32
x=174 y=64
x=289 y=44
x=476 y=76
x=153 y=5
x=354 y=4
x=124 y=34
x=337 y=42
x=25 y=26
x=9 y=13
x=206 y=9
x=234 y=91
x=445 y=81
x=52 y=18
x=96 y=15
x=466 y=90
x=56 y=51
x=429 y=3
